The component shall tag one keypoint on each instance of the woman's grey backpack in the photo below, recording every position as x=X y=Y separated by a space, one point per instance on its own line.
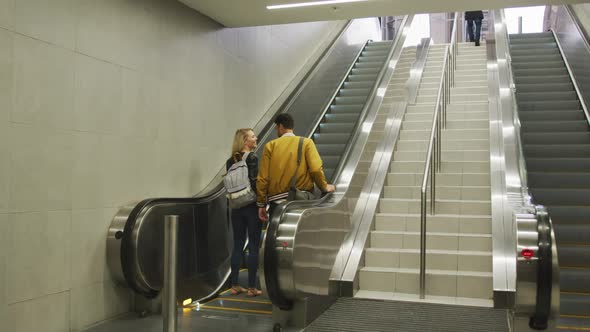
x=237 y=185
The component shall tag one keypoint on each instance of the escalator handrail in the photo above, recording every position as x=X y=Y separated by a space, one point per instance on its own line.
x=268 y=252
x=540 y=319
x=569 y=68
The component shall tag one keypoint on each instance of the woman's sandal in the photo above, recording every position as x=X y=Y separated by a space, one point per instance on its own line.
x=254 y=292
x=235 y=290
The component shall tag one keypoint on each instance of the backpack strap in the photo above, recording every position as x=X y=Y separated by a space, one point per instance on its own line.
x=294 y=178
x=245 y=156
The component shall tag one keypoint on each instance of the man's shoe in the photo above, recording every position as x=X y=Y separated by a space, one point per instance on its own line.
x=477 y=43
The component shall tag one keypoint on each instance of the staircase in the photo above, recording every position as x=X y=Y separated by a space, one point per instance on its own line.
x=556 y=142
x=458 y=256
x=333 y=134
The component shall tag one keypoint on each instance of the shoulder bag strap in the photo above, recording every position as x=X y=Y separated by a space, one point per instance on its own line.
x=294 y=178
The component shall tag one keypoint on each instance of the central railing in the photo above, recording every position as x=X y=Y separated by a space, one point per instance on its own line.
x=434 y=151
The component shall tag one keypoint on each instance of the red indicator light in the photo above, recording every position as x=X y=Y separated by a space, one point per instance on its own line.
x=527 y=253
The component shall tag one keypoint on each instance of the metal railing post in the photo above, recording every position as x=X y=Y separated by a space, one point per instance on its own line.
x=520 y=24
x=169 y=308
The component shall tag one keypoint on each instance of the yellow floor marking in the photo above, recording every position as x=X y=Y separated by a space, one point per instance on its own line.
x=239 y=310
x=233 y=299
x=225 y=291
x=575 y=293
x=574 y=316
x=573 y=328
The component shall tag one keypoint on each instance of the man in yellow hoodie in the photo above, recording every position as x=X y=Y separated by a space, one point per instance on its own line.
x=278 y=163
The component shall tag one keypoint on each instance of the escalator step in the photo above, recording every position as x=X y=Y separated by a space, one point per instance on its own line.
x=559 y=196
x=540 y=72
x=558 y=164
x=330 y=161
x=581 y=138
x=330 y=128
x=329 y=173
x=375 y=53
x=354 y=92
x=568 y=214
x=532 y=40
x=362 y=78
x=554 y=180
x=341 y=118
x=545 y=78
x=366 y=71
x=546 y=96
x=557 y=150
x=520 y=36
x=534 y=65
x=528 y=46
x=544 y=87
x=356 y=100
x=358 y=85
x=548 y=105
x=575 y=304
x=552 y=116
x=573 y=256
x=533 y=52
x=574 y=233
x=331 y=138
x=346 y=109
x=536 y=58
x=330 y=149
x=554 y=126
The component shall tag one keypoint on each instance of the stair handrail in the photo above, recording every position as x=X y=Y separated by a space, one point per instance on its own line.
x=434 y=152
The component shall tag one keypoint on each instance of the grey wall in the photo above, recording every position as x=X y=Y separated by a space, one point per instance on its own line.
x=106 y=102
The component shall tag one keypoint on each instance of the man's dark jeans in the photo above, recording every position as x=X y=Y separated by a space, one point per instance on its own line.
x=477 y=22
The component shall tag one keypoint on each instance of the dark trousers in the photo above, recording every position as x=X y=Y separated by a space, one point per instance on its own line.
x=477 y=22
x=245 y=221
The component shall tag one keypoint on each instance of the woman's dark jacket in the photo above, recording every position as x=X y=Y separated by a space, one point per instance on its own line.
x=476 y=14
x=252 y=163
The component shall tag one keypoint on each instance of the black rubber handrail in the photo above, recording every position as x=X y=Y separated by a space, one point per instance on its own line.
x=540 y=319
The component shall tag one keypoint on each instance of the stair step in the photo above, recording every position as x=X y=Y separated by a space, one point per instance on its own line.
x=470 y=207
x=437 y=241
x=439 y=223
x=445 y=193
x=440 y=283
x=444 y=260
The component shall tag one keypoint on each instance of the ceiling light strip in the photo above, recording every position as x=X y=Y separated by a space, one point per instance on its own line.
x=312 y=3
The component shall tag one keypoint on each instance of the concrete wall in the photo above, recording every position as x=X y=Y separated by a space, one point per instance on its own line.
x=106 y=102
x=583 y=12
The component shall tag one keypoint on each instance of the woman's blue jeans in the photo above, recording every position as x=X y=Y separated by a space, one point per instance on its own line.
x=245 y=221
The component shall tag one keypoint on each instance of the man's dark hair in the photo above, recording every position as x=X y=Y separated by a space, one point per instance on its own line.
x=286 y=120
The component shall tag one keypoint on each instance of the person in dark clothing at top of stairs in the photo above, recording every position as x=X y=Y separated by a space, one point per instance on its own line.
x=474 y=17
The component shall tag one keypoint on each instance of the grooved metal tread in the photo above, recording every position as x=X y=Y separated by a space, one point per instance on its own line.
x=348 y=314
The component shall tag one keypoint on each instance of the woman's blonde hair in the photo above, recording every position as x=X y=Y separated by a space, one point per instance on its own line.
x=239 y=142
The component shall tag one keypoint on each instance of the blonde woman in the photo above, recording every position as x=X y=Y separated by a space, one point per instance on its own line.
x=245 y=219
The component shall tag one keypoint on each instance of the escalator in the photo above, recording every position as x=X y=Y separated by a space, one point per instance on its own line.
x=556 y=142
x=327 y=106
x=335 y=130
